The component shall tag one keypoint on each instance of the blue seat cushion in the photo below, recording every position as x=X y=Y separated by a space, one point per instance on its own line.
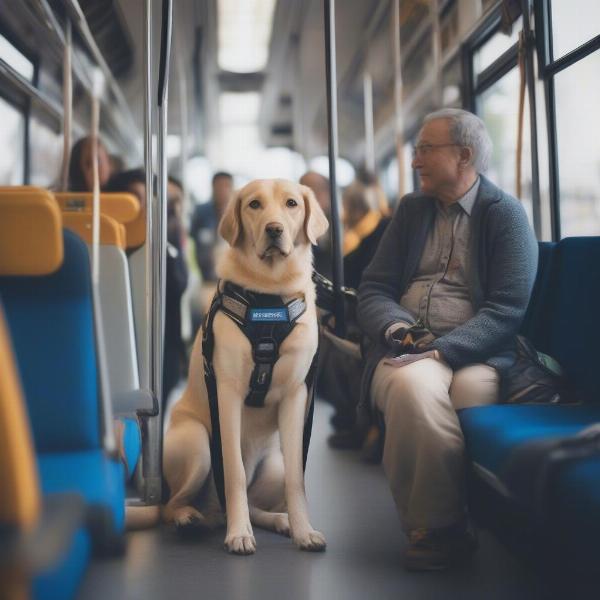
x=132 y=444
x=51 y=324
x=492 y=433
x=63 y=580
x=98 y=478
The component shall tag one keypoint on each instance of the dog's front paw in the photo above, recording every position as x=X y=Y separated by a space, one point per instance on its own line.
x=240 y=544
x=311 y=541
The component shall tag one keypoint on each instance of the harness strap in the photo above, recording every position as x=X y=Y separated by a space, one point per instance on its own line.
x=265 y=352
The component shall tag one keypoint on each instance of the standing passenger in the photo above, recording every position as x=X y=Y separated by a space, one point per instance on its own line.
x=454 y=269
x=205 y=220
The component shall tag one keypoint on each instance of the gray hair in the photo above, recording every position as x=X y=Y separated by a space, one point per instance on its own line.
x=467 y=129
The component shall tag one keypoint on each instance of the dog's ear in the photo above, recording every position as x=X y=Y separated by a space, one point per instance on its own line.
x=230 y=227
x=315 y=221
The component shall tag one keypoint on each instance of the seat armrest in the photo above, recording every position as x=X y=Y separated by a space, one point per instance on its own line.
x=136 y=402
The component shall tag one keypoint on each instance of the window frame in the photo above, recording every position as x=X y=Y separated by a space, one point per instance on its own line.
x=475 y=85
x=548 y=68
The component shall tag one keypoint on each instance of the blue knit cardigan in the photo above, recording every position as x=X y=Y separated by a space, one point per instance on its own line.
x=503 y=264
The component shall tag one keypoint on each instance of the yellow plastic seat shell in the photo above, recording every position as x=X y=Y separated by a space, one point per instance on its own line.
x=123 y=207
x=112 y=233
x=31 y=240
x=20 y=499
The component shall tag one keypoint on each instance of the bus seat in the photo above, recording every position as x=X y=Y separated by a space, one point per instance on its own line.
x=121 y=206
x=136 y=231
x=51 y=322
x=43 y=541
x=563 y=321
x=30 y=232
x=112 y=233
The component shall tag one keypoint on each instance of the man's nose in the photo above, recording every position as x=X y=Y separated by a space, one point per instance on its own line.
x=274 y=230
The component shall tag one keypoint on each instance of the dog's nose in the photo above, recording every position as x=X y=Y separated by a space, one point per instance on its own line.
x=274 y=230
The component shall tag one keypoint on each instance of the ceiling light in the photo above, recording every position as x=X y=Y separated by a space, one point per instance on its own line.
x=244 y=34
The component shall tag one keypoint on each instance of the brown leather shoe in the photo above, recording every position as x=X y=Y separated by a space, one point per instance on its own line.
x=438 y=549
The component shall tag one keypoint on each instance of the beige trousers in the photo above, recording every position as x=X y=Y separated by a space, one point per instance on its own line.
x=423 y=457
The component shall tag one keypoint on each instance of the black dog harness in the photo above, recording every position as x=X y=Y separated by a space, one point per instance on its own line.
x=266 y=320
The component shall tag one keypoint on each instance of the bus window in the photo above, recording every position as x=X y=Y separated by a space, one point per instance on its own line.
x=573 y=24
x=12 y=140
x=578 y=145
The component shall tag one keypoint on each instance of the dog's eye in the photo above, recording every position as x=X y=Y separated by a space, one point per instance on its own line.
x=254 y=204
x=291 y=203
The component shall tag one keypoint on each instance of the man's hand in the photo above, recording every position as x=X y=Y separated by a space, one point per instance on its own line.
x=411 y=340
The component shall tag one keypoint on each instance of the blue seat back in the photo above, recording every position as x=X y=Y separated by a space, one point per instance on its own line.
x=51 y=322
x=563 y=318
x=574 y=331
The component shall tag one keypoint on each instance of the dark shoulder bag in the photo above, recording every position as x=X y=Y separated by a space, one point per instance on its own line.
x=534 y=378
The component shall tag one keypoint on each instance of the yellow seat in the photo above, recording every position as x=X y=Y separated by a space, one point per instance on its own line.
x=20 y=497
x=112 y=233
x=122 y=207
x=30 y=232
x=136 y=231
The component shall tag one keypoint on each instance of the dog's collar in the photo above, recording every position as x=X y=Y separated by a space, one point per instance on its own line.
x=247 y=306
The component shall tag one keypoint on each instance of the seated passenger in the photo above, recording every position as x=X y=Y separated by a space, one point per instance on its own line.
x=365 y=223
x=340 y=374
x=445 y=293
x=81 y=177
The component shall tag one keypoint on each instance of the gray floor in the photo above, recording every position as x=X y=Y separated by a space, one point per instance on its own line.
x=350 y=502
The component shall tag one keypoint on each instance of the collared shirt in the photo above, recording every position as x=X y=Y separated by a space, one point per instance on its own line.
x=438 y=294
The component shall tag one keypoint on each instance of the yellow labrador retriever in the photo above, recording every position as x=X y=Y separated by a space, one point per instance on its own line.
x=270 y=226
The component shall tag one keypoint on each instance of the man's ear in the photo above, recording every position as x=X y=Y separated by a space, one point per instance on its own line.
x=230 y=227
x=466 y=156
x=315 y=221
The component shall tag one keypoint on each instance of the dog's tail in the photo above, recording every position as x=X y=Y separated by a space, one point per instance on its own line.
x=141 y=517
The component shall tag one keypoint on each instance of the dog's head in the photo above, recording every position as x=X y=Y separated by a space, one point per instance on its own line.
x=271 y=217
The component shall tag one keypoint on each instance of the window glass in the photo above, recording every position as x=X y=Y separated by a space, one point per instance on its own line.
x=389 y=176
x=574 y=22
x=12 y=139
x=46 y=153
x=10 y=55
x=498 y=106
x=495 y=47
x=577 y=125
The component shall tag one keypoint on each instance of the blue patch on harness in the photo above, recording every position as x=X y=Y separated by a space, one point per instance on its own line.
x=267 y=315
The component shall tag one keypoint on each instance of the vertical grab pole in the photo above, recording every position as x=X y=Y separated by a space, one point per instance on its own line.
x=151 y=425
x=332 y=130
x=160 y=213
x=105 y=391
x=67 y=107
x=398 y=120
x=369 y=129
x=148 y=165
x=530 y=77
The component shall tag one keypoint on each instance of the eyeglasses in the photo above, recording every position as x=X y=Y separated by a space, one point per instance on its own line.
x=425 y=149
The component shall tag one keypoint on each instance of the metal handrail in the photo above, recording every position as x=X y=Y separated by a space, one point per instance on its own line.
x=81 y=24
x=332 y=130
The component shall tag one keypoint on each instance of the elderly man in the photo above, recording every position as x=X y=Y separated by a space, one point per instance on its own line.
x=442 y=301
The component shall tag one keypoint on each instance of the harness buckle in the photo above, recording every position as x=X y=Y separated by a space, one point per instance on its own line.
x=265 y=350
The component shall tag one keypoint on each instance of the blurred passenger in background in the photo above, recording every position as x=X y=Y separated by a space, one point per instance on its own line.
x=175 y=357
x=205 y=220
x=365 y=220
x=340 y=374
x=174 y=361
x=321 y=252
x=81 y=174
x=203 y=231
